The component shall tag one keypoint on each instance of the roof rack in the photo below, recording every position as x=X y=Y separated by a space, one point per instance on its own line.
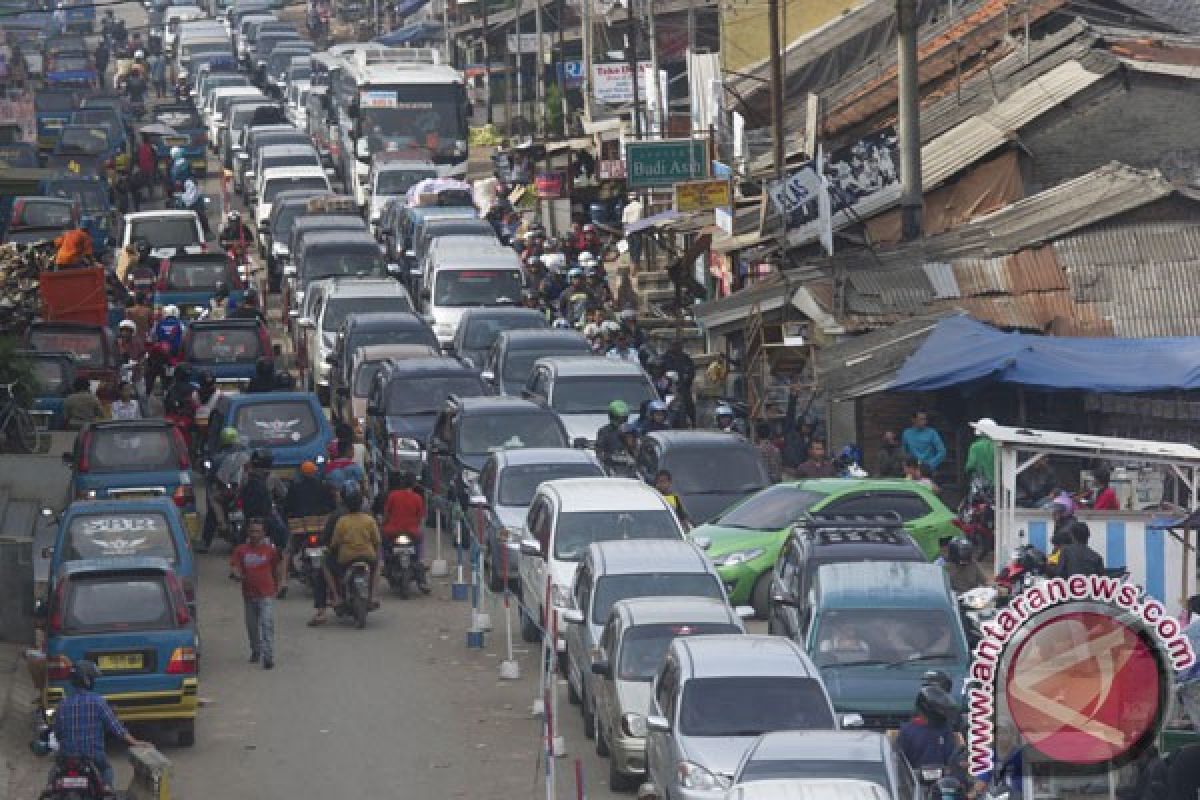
x=884 y=528
x=818 y=520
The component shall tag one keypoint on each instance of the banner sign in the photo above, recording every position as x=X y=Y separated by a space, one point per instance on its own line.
x=613 y=170
x=702 y=195
x=550 y=185
x=613 y=83
x=665 y=162
x=529 y=43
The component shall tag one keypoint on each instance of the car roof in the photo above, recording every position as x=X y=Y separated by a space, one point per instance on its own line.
x=809 y=789
x=501 y=312
x=164 y=504
x=524 y=338
x=603 y=494
x=880 y=584
x=666 y=610
x=115 y=564
x=298 y=196
x=293 y=172
x=495 y=404
x=432 y=365
x=379 y=352
x=820 y=746
x=648 y=556
x=227 y=323
x=265 y=398
x=570 y=366
x=287 y=149
x=744 y=655
x=340 y=236
x=697 y=439
x=531 y=456
x=499 y=256
x=137 y=216
x=380 y=320
x=129 y=424
x=366 y=287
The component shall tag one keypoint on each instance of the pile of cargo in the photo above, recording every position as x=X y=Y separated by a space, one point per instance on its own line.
x=21 y=267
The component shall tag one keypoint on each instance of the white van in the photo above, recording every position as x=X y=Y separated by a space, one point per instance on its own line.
x=459 y=279
x=279 y=179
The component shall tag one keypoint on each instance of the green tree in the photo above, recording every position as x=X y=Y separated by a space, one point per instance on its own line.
x=554 y=115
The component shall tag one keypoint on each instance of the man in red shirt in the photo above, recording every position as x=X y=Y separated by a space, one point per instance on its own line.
x=259 y=567
x=404 y=512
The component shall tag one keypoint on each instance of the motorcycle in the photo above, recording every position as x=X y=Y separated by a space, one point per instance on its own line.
x=307 y=554
x=977 y=606
x=72 y=777
x=356 y=593
x=224 y=497
x=621 y=465
x=401 y=567
x=976 y=517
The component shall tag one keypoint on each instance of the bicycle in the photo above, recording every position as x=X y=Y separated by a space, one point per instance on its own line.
x=16 y=424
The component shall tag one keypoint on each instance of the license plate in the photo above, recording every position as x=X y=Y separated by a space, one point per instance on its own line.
x=315 y=553
x=73 y=782
x=237 y=516
x=134 y=495
x=121 y=662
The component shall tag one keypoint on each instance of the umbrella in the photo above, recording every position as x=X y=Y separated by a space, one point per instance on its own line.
x=158 y=129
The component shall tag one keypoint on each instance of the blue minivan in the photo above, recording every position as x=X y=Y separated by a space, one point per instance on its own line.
x=290 y=425
x=153 y=527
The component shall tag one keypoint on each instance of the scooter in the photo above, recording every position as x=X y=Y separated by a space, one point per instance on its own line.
x=401 y=567
x=307 y=553
x=72 y=777
x=356 y=593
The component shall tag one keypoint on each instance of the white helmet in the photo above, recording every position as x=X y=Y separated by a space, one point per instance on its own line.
x=170 y=311
x=586 y=259
x=554 y=261
x=591 y=330
x=139 y=55
x=127 y=325
x=609 y=327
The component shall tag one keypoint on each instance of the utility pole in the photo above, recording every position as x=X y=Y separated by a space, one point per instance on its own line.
x=633 y=66
x=518 y=70
x=540 y=110
x=487 y=62
x=777 y=144
x=691 y=27
x=446 y=27
x=660 y=102
x=912 y=198
x=587 y=59
x=560 y=71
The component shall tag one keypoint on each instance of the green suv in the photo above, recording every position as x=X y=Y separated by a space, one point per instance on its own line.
x=744 y=541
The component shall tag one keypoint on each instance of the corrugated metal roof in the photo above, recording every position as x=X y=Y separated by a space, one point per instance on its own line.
x=941 y=278
x=1182 y=15
x=980 y=276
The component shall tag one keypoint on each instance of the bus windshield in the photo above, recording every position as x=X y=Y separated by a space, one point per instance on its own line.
x=400 y=117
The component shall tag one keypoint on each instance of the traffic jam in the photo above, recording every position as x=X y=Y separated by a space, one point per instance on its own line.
x=293 y=327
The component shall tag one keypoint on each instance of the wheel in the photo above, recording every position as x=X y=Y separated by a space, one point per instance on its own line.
x=572 y=696
x=494 y=579
x=529 y=631
x=185 y=736
x=402 y=585
x=360 y=611
x=761 y=596
x=619 y=781
x=601 y=741
x=589 y=716
x=22 y=433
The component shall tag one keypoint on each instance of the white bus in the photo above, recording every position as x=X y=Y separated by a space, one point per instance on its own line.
x=389 y=100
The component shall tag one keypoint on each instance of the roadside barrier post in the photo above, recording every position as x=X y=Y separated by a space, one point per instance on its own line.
x=479 y=623
x=438 y=567
x=580 y=789
x=558 y=743
x=510 y=670
x=458 y=589
x=547 y=653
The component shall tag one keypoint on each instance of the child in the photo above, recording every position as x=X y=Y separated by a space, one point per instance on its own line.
x=662 y=482
x=126 y=405
x=259 y=567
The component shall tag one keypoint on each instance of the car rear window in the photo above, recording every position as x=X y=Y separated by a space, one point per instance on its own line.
x=518 y=483
x=278 y=185
x=593 y=395
x=519 y=363
x=575 y=530
x=475 y=287
x=750 y=706
x=90 y=196
x=166 y=231
x=427 y=395
x=88 y=347
x=131 y=450
x=225 y=345
x=727 y=467
x=488 y=433
x=183 y=275
x=611 y=588
x=49 y=214
x=276 y=424
x=482 y=332
x=771 y=509
x=909 y=505
x=181 y=119
x=120 y=534
x=338 y=307
x=644 y=646
x=108 y=603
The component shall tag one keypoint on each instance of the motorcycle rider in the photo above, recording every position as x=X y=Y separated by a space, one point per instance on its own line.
x=167 y=337
x=208 y=394
x=356 y=537
x=403 y=511
x=235 y=234
x=655 y=418
x=130 y=348
x=928 y=739
x=962 y=569
x=727 y=422
x=308 y=496
x=249 y=308
x=82 y=719
x=181 y=168
x=218 y=304
x=224 y=478
x=180 y=402
x=193 y=200
x=608 y=439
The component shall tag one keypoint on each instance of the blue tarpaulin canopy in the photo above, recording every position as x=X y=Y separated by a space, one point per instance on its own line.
x=411 y=34
x=961 y=350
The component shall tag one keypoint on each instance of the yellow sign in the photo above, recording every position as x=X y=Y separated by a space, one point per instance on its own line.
x=702 y=195
x=73 y=166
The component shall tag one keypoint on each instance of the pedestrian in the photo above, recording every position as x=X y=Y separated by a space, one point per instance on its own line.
x=923 y=442
x=81 y=406
x=818 y=464
x=677 y=360
x=631 y=214
x=101 y=58
x=663 y=483
x=891 y=457
x=1106 y=498
x=158 y=75
x=1077 y=557
x=981 y=459
x=797 y=432
x=259 y=567
x=771 y=456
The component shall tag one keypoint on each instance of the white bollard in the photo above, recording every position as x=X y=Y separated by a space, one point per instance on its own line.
x=438 y=567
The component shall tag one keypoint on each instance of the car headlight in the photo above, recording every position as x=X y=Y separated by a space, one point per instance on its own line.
x=444 y=329
x=402 y=539
x=633 y=725
x=694 y=776
x=560 y=596
x=279 y=249
x=737 y=557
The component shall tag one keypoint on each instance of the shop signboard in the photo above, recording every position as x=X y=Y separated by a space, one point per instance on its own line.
x=702 y=195
x=665 y=162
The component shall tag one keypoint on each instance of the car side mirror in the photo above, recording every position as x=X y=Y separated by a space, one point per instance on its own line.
x=602 y=668
x=410 y=254
x=658 y=724
x=488 y=376
x=531 y=547
x=394 y=269
x=853 y=721
x=478 y=501
x=703 y=542
x=573 y=615
x=68 y=459
x=744 y=612
x=782 y=598
x=580 y=442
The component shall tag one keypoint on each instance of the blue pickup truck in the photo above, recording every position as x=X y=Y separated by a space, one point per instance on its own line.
x=52 y=108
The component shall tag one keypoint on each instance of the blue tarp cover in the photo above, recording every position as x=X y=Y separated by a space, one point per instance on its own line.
x=410 y=34
x=961 y=350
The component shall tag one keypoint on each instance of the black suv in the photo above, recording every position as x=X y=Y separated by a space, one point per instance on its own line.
x=403 y=404
x=363 y=328
x=470 y=429
x=819 y=539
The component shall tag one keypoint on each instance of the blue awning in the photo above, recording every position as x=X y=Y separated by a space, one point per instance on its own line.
x=412 y=34
x=406 y=7
x=961 y=350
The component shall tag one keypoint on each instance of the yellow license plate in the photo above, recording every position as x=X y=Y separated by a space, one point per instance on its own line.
x=133 y=495
x=121 y=662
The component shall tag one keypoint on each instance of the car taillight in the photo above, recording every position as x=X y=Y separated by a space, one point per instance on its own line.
x=182 y=615
x=17 y=211
x=189 y=591
x=181 y=448
x=183 y=496
x=313 y=540
x=264 y=338
x=239 y=503
x=82 y=463
x=58 y=668
x=183 y=661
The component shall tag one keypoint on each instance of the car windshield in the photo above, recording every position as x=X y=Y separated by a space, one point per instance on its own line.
x=519 y=363
x=593 y=395
x=224 y=345
x=109 y=603
x=86 y=346
x=482 y=332
x=751 y=706
x=348 y=259
x=399 y=181
x=16 y=155
x=42 y=214
x=140 y=533
x=131 y=450
x=476 y=287
x=575 y=530
x=611 y=588
x=283 y=423
x=422 y=116
x=51 y=376
x=166 y=231
x=84 y=141
x=90 y=196
x=771 y=509
x=338 y=307
x=278 y=185
x=644 y=646
x=848 y=636
x=487 y=433
x=813 y=769
x=518 y=483
x=196 y=274
x=427 y=395
x=730 y=467
x=291 y=160
x=285 y=219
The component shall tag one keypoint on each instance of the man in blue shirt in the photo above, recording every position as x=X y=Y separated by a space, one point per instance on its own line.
x=928 y=739
x=922 y=442
x=82 y=719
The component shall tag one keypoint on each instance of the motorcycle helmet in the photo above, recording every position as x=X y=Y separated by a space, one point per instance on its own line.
x=850 y=454
x=936 y=705
x=587 y=260
x=176 y=152
x=262 y=459
x=724 y=410
x=205 y=379
x=610 y=328
x=561 y=324
x=170 y=311
x=84 y=674
x=618 y=410
x=960 y=550
x=140 y=55
x=230 y=437
x=656 y=406
x=351 y=495
x=935 y=677
x=1032 y=560
x=574 y=272
x=591 y=330
x=628 y=314
x=127 y=325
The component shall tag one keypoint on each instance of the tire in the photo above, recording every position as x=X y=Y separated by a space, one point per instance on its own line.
x=619 y=781
x=186 y=735
x=589 y=716
x=601 y=740
x=22 y=432
x=495 y=581
x=402 y=586
x=360 y=612
x=572 y=696
x=760 y=597
x=529 y=631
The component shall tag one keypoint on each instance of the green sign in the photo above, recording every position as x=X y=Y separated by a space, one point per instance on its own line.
x=665 y=163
